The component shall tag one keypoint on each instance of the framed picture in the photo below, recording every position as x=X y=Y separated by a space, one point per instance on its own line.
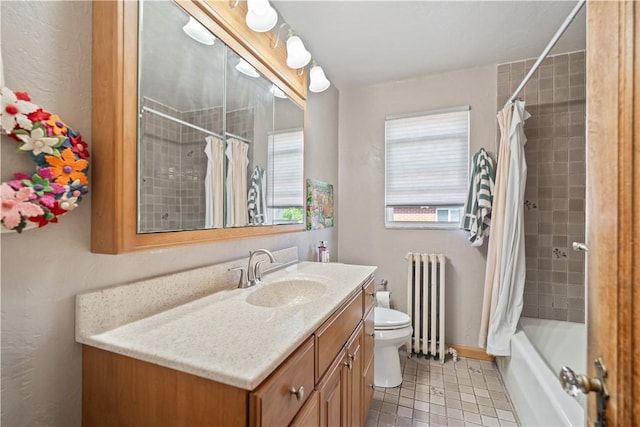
x=319 y=204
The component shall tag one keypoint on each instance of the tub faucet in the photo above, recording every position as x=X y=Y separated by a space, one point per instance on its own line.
x=254 y=274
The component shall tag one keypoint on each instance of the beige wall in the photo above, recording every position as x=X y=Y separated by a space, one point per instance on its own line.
x=363 y=237
x=47 y=52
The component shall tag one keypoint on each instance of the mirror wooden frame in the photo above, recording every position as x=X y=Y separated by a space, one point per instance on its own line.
x=114 y=142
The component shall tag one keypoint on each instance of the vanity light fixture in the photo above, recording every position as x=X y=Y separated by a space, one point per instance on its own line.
x=277 y=92
x=198 y=32
x=261 y=17
x=247 y=69
x=318 y=81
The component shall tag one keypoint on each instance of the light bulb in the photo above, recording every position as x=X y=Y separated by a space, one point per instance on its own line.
x=277 y=92
x=198 y=32
x=261 y=17
x=318 y=81
x=259 y=7
x=247 y=69
x=297 y=55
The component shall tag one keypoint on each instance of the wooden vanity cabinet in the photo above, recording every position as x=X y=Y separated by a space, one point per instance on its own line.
x=324 y=382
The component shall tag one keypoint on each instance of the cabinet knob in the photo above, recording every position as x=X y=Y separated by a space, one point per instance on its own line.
x=373 y=294
x=372 y=334
x=299 y=393
x=352 y=357
x=348 y=364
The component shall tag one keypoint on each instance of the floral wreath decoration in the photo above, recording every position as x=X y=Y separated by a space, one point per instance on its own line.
x=60 y=180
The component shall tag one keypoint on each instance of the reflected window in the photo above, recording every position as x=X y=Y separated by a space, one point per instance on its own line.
x=285 y=176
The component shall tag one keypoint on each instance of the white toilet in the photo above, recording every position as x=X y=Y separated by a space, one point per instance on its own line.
x=392 y=329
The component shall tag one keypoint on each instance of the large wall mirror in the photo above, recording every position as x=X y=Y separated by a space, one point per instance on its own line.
x=219 y=144
x=206 y=124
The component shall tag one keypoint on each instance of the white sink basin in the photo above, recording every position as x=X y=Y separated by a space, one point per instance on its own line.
x=287 y=293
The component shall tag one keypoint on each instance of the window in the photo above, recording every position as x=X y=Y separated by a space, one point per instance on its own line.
x=285 y=182
x=448 y=215
x=426 y=168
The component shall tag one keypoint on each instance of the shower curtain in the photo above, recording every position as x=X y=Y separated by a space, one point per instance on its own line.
x=505 y=274
x=213 y=183
x=236 y=183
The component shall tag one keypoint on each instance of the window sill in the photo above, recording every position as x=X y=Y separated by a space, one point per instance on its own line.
x=422 y=225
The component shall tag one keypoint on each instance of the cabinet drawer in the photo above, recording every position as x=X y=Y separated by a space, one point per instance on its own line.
x=273 y=403
x=369 y=295
x=334 y=333
x=369 y=336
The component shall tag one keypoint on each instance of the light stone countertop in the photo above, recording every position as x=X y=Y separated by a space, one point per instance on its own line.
x=223 y=337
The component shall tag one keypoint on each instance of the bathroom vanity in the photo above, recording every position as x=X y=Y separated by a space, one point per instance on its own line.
x=294 y=350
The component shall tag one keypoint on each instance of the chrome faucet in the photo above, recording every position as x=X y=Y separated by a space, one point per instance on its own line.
x=254 y=274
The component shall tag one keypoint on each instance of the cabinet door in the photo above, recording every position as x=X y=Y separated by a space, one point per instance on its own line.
x=355 y=371
x=309 y=415
x=367 y=390
x=333 y=394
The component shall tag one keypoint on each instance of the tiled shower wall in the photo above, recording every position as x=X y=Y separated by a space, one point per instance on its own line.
x=555 y=193
x=174 y=165
x=160 y=170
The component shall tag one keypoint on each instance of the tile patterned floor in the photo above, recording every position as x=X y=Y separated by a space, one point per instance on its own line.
x=468 y=392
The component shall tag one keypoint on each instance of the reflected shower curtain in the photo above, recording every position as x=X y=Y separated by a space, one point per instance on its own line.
x=236 y=183
x=214 y=211
x=506 y=269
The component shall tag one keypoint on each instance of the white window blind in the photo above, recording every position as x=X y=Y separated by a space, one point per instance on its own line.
x=427 y=158
x=285 y=183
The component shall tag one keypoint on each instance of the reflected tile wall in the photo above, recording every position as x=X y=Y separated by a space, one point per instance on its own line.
x=240 y=122
x=555 y=193
x=159 y=170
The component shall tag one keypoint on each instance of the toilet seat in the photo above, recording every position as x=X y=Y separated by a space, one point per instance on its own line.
x=387 y=319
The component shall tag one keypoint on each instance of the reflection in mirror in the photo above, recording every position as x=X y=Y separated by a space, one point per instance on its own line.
x=219 y=144
x=181 y=87
x=249 y=117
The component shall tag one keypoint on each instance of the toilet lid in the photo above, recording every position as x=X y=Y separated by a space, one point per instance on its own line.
x=386 y=318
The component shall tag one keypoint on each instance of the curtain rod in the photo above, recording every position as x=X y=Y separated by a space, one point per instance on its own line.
x=546 y=50
x=198 y=128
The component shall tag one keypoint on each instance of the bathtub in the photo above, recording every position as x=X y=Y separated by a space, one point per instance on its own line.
x=532 y=382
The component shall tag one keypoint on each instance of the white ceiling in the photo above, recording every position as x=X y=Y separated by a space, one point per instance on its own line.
x=368 y=42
